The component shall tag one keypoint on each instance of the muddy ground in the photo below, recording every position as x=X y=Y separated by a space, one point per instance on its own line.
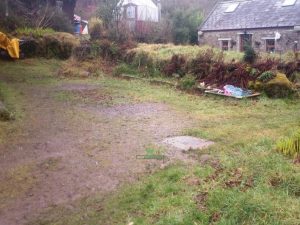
x=64 y=150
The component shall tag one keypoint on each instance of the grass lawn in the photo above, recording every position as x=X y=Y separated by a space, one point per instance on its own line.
x=251 y=184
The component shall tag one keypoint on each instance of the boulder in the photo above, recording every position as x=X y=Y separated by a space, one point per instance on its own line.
x=279 y=87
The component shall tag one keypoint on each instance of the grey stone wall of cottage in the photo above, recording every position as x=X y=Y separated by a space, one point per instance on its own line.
x=289 y=37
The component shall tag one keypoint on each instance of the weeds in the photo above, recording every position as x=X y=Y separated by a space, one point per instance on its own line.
x=34 y=32
x=187 y=82
x=124 y=69
x=290 y=146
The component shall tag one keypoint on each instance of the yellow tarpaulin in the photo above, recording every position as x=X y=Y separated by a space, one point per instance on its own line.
x=11 y=46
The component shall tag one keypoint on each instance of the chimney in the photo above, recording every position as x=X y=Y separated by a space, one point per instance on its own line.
x=159 y=9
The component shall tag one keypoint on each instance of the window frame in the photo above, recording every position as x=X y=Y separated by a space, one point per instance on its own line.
x=225 y=47
x=132 y=9
x=222 y=40
x=270 y=46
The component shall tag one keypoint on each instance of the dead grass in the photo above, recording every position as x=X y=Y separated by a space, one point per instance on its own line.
x=85 y=69
x=15 y=183
x=160 y=52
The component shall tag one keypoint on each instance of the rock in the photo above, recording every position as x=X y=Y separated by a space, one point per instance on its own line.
x=186 y=143
x=279 y=87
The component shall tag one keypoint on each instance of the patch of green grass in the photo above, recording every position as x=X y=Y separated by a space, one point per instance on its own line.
x=11 y=98
x=30 y=71
x=12 y=75
x=35 y=32
x=125 y=69
x=64 y=96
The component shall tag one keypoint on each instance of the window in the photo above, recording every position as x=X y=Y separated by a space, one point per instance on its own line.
x=231 y=7
x=225 y=45
x=289 y=2
x=270 y=45
x=130 y=12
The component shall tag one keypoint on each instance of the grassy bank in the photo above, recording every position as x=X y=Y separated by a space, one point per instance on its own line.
x=166 y=51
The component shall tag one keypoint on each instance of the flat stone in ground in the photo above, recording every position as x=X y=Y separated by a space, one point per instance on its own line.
x=186 y=143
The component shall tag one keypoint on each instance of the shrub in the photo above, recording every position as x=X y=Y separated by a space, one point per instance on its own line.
x=237 y=74
x=256 y=85
x=266 y=65
x=290 y=146
x=266 y=76
x=279 y=87
x=187 y=82
x=96 y=31
x=175 y=66
x=61 y=23
x=201 y=65
x=109 y=50
x=143 y=59
x=30 y=48
x=58 y=45
x=181 y=35
x=185 y=24
x=289 y=69
x=250 y=55
x=124 y=69
x=161 y=32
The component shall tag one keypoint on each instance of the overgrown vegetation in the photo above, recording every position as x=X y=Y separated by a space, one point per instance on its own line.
x=185 y=24
x=266 y=76
x=38 y=14
x=216 y=68
x=290 y=146
x=250 y=55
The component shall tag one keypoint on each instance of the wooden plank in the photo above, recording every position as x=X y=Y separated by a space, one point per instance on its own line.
x=237 y=97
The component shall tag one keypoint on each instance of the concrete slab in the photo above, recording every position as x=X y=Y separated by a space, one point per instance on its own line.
x=186 y=143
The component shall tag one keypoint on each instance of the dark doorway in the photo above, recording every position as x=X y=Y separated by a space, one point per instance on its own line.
x=245 y=40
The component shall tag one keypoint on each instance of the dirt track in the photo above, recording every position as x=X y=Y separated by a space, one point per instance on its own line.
x=65 y=150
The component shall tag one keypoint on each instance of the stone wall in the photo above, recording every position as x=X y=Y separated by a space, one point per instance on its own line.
x=285 y=43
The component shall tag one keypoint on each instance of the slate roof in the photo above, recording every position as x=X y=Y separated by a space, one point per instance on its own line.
x=252 y=14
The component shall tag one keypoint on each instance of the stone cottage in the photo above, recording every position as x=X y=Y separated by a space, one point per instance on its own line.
x=266 y=25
